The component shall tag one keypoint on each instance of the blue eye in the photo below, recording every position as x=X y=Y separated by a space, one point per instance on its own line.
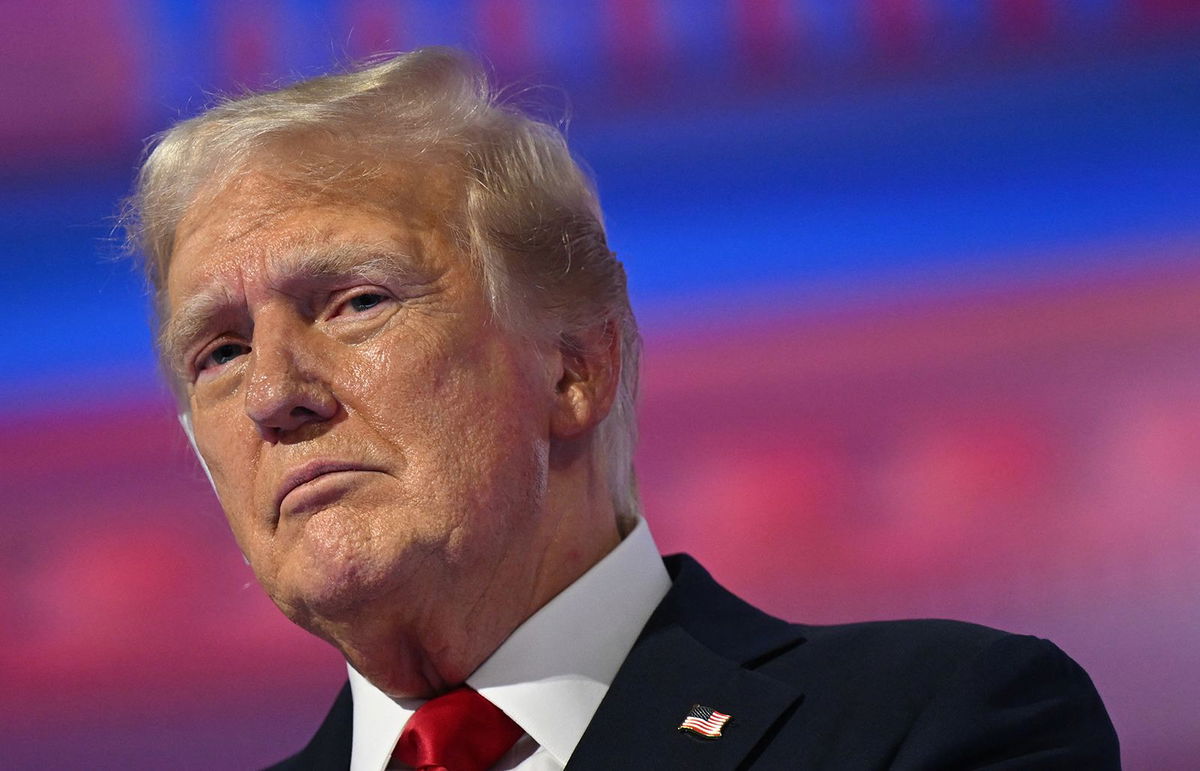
x=223 y=354
x=226 y=353
x=365 y=302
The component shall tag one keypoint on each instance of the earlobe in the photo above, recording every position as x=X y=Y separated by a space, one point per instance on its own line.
x=587 y=385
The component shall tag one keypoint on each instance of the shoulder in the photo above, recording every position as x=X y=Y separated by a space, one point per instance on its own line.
x=925 y=693
x=914 y=651
x=909 y=665
x=916 y=655
x=944 y=694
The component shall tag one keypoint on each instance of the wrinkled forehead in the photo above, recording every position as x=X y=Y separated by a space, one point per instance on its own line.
x=255 y=201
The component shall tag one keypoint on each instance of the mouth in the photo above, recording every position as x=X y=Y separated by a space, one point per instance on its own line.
x=310 y=472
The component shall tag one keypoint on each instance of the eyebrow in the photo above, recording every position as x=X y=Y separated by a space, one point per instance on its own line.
x=350 y=260
x=369 y=262
x=188 y=322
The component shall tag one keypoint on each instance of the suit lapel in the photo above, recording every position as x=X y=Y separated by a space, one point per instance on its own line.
x=698 y=648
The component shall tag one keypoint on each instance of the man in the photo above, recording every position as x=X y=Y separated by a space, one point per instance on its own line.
x=406 y=357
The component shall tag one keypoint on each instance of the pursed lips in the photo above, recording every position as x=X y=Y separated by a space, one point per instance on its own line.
x=310 y=471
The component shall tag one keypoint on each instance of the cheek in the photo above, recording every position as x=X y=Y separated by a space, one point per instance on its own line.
x=465 y=420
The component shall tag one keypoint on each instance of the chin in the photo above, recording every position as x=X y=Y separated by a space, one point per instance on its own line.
x=324 y=609
x=334 y=587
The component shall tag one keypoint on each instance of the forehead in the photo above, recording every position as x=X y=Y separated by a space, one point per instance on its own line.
x=416 y=195
x=259 y=218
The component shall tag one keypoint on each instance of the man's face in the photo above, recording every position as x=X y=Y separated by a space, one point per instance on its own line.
x=376 y=440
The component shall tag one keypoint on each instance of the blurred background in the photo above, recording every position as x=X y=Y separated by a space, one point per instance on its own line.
x=920 y=287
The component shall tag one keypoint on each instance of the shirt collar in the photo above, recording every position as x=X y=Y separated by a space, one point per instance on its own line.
x=553 y=671
x=378 y=721
x=551 y=674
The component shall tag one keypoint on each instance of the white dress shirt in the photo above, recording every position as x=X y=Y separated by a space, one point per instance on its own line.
x=551 y=673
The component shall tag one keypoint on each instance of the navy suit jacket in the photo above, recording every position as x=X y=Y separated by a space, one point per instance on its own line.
x=881 y=695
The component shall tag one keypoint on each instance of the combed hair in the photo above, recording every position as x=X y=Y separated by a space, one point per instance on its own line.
x=530 y=223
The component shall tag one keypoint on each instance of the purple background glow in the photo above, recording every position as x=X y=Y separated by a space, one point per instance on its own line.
x=919 y=280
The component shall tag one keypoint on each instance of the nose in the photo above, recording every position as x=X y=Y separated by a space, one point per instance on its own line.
x=285 y=390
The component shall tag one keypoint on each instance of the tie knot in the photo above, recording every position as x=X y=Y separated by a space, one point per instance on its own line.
x=457 y=731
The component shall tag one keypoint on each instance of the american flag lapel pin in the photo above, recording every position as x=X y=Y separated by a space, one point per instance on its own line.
x=704 y=721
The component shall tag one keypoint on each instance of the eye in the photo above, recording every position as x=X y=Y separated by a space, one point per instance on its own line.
x=221 y=355
x=365 y=301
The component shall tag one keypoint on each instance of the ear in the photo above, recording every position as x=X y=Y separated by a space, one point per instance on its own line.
x=587 y=382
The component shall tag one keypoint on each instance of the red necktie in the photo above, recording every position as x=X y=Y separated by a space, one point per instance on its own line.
x=457 y=731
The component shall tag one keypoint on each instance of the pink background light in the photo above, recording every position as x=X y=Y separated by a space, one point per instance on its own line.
x=919 y=284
